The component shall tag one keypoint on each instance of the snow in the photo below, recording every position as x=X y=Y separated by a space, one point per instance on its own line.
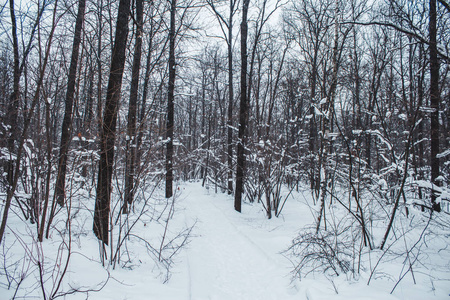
x=230 y=256
x=403 y=117
x=381 y=137
x=443 y=154
x=317 y=111
x=225 y=263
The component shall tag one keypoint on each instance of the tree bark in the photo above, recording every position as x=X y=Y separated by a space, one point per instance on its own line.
x=243 y=111
x=49 y=172
x=327 y=125
x=131 y=147
x=13 y=107
x=108 y=134
x=99 y=65
x=67 y=121
x=143 y=111
x=230 y=99
x=434 y=102
x=170 y=103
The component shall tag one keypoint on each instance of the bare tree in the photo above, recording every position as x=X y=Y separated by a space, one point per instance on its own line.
x=13 y=107
x=327 y=123
x=228 y=35
x=27 y=123
x=108 y=134
x=18 y=67
x=309 y=23
x=131 y=141
x=243 y=111
x=66 y=131
x=170 y=102
x=434 y=103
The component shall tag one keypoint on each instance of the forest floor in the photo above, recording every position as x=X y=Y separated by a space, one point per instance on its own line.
x=229 y=256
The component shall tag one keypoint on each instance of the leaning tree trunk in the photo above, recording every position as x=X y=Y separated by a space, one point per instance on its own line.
x=67 y=121
x=108 y=134
x=170 y=105
x=243 y=111
x=132 y=110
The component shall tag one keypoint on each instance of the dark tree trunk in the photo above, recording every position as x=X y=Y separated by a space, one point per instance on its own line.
x=230 y=100
x=88 y=113
x=203 y=123
x=99 y=66
x=243 y=111
x=313 y=125
x=132 y=110
x=49 y=172
x=170 y=104
x=420 y=131
x=13 y=107
x=434 y=102
x=67 y=121
x=327 y=125
x=108 y=134
x=142 y=114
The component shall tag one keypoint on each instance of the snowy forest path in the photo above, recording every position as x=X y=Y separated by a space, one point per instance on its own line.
x=223 y=261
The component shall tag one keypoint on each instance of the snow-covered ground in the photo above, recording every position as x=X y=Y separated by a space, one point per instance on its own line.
x=230 y=256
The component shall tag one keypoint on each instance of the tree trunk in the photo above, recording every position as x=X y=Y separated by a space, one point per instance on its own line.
x=67 y=121
x=421 y=130
x=434 y=102
x=243 y=111
x=108 y=134
x=142 y=115
x=132 y=110
x=13 y=107
x=49 y=172
x=170 y=104
x=99 y=66
x=327 y=124
x=230 y=99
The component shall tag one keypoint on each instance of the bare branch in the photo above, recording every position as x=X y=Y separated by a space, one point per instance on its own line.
x=414 y=35
x=445 y=4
